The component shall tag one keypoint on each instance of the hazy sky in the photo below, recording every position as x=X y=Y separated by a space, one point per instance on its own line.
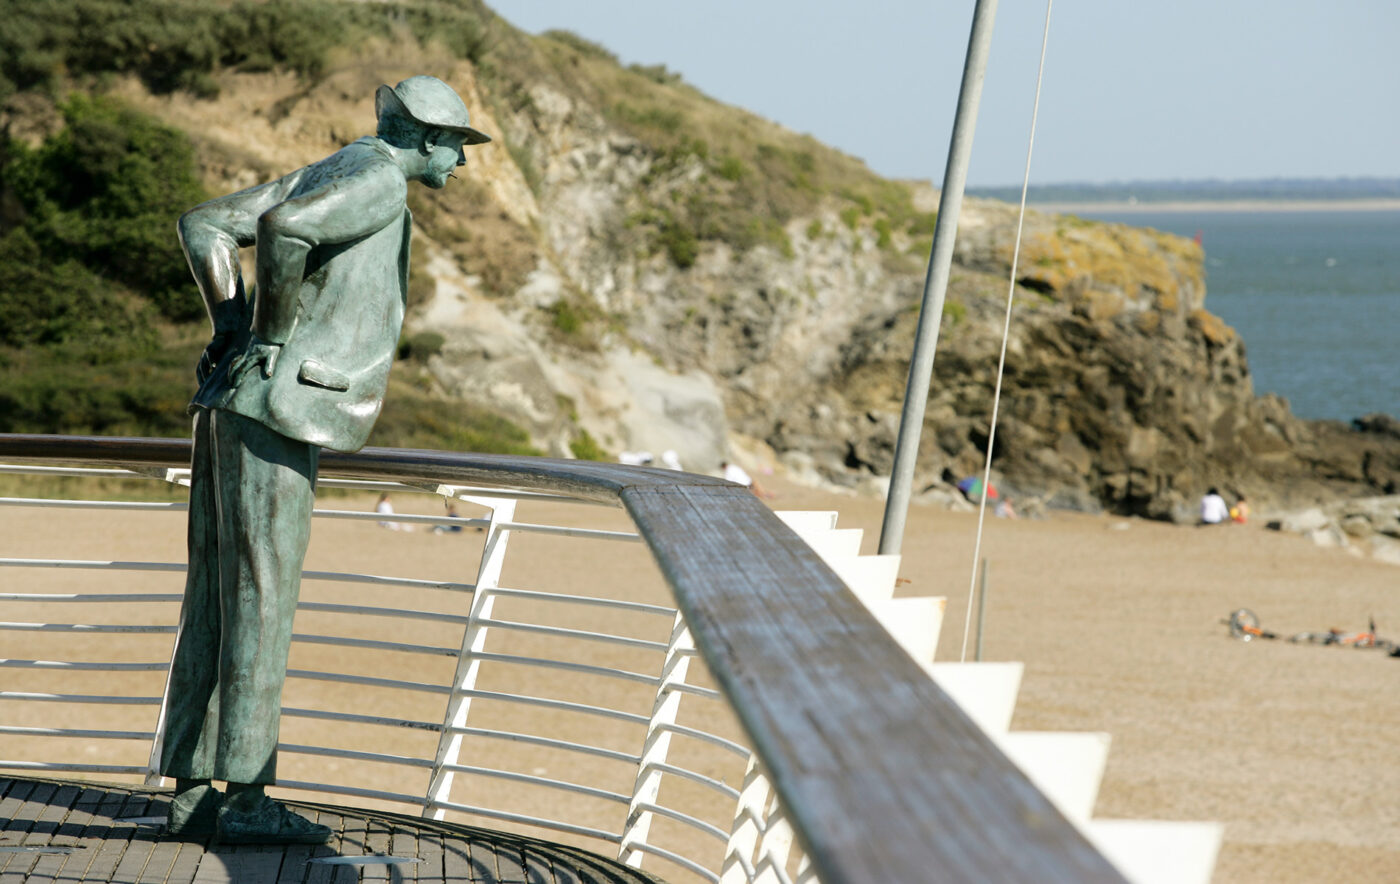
x=1134 y=89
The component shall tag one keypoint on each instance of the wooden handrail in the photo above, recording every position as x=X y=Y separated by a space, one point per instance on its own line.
x=883 y=775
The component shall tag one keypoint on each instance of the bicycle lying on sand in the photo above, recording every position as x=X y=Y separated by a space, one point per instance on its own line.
x=1244 y=625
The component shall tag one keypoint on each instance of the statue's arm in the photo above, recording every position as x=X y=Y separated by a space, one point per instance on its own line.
x=211 y=235
x=345 y=209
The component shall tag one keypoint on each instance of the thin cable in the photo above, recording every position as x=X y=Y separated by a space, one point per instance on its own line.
x=1005 y=334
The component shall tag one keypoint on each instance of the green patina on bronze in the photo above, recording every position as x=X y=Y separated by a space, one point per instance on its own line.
x=302 y=364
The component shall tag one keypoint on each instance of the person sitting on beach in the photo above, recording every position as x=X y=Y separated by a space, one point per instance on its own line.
x=1213 y=508
x=1239 y=513
x=740 y=476
x=451 y=514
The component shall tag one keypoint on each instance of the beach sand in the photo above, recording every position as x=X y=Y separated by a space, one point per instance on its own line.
x=1118 y=622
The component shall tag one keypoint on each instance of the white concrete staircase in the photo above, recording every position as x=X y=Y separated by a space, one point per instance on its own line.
x=1066 y=767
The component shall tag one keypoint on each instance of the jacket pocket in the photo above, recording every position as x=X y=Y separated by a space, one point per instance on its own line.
x=314 y=374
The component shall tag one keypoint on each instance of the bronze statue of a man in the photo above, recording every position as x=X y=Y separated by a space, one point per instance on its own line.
x=303 y=366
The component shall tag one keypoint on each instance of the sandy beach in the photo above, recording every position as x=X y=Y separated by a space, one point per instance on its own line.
x=1118 y=622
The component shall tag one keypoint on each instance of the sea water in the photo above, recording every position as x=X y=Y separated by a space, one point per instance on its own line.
x=1314 y=294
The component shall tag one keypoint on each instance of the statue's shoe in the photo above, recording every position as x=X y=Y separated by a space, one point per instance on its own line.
x=194 y=812
x=268 y=822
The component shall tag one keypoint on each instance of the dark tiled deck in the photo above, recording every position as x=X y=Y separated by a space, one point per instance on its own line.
x=61 y=831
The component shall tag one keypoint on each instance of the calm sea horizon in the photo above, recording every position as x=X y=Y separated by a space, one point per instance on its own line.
x=1315 y=294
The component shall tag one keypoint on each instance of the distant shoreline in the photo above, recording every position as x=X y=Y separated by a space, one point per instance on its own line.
x=1366 y=205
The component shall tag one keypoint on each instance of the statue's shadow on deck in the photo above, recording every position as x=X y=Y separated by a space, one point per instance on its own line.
x=58 y=830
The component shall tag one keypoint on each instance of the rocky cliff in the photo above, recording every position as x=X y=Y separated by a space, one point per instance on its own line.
x=630 y=265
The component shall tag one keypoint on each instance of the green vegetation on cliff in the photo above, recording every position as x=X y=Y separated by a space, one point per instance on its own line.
x=725 y=175
x=177 y=44
x=101 y=321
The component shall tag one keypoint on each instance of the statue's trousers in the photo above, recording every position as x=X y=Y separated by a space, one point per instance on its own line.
x=251 y=495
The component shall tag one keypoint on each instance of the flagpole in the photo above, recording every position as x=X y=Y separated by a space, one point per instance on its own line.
x=911 y=420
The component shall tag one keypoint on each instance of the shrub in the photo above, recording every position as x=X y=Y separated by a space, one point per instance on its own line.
x=565 y=318
x=579 y=44
x=585 y=447
x=732 y=168
x=882 y=233
x=413 y=418
x=422 y=346
x=99 y=200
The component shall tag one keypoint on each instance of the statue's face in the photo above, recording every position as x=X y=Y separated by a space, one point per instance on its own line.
x=444 y=155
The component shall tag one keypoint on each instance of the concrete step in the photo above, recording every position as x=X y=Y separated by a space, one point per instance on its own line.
x=1158 y=851
x=986 y=691
x=1066 y=767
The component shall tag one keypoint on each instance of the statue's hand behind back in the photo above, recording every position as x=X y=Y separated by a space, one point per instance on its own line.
x=259 y=353
x=213 y=354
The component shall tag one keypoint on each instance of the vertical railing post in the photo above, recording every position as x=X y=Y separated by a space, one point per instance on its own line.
x=658 y=742
x=774 y=845
x=749 y=824
x=488 y=578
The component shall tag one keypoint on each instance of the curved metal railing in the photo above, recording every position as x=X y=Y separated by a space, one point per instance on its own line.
x=877 y=773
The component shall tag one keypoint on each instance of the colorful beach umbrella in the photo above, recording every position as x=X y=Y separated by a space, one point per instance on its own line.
x=972 y=487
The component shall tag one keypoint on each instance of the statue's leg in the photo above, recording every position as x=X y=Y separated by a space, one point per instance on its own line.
x=265 y=488
x=192 y=704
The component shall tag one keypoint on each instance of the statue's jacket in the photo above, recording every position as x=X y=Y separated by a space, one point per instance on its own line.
x=328 y=383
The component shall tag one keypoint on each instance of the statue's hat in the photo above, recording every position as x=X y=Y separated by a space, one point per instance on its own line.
x=431 y=102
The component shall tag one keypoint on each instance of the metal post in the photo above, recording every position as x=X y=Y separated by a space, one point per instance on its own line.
x=981 y=610
x=911 y=421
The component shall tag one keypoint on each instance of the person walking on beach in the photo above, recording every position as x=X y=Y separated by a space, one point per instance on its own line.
x=301 y=365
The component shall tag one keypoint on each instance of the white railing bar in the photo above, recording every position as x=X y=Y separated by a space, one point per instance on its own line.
x=562 y=531
x=467 y=492
x=80 y=698
x=708 y=738
x=563 y=705
x=83 y=666
x=95 y=472
x=83 y=627
x=93 y=564
x=537 y=595
x=411 y=518
x=345 y=577
x=368 y=681
x=94 y=598
x=71 y=768
x=327 y=482
x=676 y=858
x=350 y=790
x=402 y=613
x=355 y=755
x=694 y=690
x=582 y=668
x=698 y=824
x=541 y=822
x=564 y=632
x=69 y=732
x=370 y=644
x=64 y=503
x=357 y=718
x=457 y=491
x=530 y=779
x=337 y=576
x=524 y=527
x=722 y=788
x=549 y=742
